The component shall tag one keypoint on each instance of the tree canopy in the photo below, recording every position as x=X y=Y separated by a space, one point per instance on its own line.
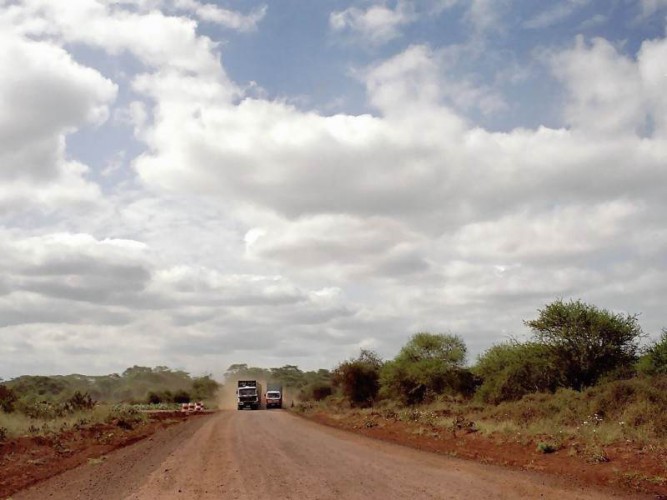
x=586 y=342
x=427 y=365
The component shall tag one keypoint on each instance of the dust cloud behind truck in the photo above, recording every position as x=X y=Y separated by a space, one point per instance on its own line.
x=274 y=395
x=248 y=394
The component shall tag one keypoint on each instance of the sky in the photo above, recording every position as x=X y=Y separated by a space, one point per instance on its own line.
x=195 y=184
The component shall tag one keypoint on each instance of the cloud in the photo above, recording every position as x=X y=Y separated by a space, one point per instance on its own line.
x=228 y=18
x=251 y=227
x=377 y=25
x=46 y=96
x=156 y=39
x=94 y=292
x=417 y=160
x=422 y=75
x=555 y=14
x=486 y=15
x=565 y=233
x=77 y=267
x=650 y=7
x=605 y=88
x=202 y=286
x=523 y=215
x=611 y=93
x=341 y=247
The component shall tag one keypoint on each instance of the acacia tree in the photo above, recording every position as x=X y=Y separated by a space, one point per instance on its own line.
x=586 y=342
x=428 y=364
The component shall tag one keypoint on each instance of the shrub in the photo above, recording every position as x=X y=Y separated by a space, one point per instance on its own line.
x=586 y=342
x=7 y=399
x=359 y=379
x=79 y=401
x=182 y=397
x=654 y=361
x=204 y=387
x=42 y=410
x=160 y=397
x=316 y=391
x=632 y=408
x=125 y=417
x=154 y=398
x=510 y=371
x=428 y=365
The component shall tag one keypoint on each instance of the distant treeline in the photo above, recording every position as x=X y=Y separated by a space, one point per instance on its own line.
x=138 y=384
x=304 y=385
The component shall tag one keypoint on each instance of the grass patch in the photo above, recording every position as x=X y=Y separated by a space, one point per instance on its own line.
x=17 y=424
x=628 y=411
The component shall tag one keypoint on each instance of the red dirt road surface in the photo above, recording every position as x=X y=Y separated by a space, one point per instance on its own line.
x=275 y=455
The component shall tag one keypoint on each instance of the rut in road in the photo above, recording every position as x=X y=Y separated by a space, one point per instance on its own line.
x=275 y=455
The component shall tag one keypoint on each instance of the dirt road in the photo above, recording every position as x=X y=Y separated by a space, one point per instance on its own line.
x=275 y=455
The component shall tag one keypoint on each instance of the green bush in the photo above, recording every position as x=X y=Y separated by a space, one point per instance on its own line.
x=160 y=397
x=359 y=379
x=512 y=370
x=45 y=410
x=41 y=387
x=204 y=388
x=428 y=365
x=635 y=406
x=125 y=417
x=654 y=360
x=585 y=342
x=79 y=401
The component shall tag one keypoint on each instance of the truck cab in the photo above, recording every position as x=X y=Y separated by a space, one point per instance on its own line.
x=248 y=394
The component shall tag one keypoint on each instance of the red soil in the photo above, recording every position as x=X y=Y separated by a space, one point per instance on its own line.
x=28 y=460
x=629 y=468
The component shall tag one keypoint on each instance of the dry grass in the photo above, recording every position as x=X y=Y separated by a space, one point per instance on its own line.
x=17 y=424
x=630 y=411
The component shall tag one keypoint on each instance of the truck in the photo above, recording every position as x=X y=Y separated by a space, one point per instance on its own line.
x=248 y=394
x=274 y=395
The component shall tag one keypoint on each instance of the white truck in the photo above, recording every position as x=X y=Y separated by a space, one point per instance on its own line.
x=248 y=394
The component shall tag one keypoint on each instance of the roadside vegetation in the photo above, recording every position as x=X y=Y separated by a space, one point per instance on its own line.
x=138 y=384
x=581 y=384
x=42 y=406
